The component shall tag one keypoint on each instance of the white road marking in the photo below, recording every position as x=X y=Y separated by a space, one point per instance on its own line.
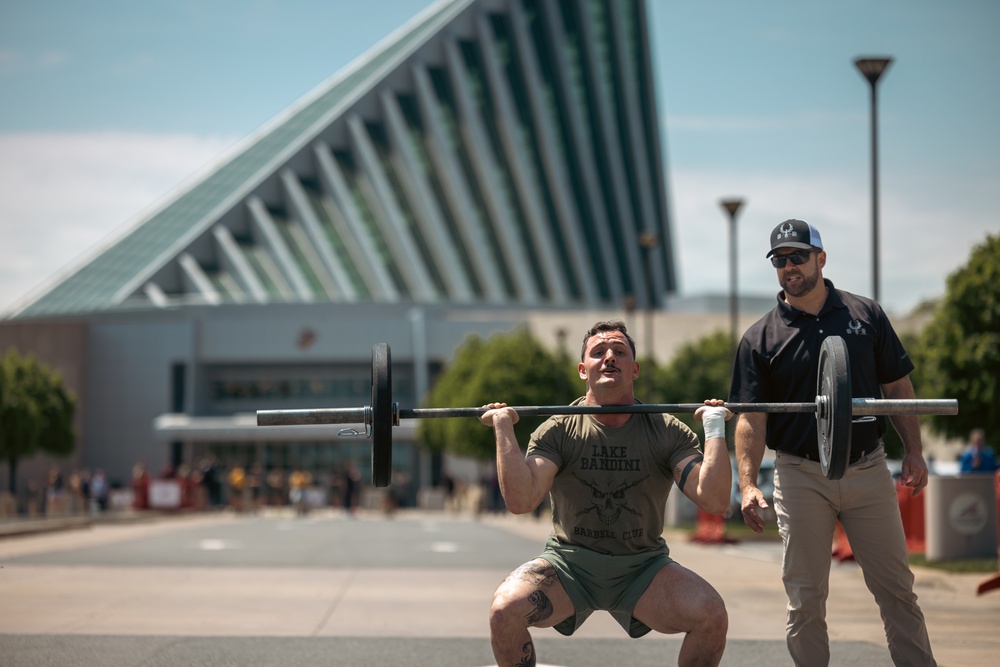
x=216 y=545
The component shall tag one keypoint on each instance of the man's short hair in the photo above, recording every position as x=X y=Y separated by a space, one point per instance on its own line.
x=609 y=325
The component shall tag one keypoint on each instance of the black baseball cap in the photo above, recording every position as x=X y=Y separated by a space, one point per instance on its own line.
x=795 y=234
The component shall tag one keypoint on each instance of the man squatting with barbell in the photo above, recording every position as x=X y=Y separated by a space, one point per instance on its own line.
x=608 y=477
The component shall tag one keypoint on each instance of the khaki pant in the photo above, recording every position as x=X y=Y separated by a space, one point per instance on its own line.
x=808 y=506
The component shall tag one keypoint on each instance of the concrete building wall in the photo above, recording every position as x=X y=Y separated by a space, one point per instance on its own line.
x=129 y=385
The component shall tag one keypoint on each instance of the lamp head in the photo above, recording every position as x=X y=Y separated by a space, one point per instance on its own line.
x=872 y=68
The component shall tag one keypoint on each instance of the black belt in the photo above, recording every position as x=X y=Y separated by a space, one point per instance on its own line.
x=853 y=458
x=857 y=456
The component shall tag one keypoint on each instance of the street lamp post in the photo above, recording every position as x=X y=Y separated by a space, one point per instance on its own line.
x=732 y=207
x=872 y=69
x=649 y=241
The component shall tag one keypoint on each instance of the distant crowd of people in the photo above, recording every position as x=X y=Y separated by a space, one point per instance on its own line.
x=209 y=485
x=80 y=491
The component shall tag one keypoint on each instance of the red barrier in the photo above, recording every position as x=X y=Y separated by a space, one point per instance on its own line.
x=993 y=582
x=711 y=529
x=912 y=512
x=842 y=550
x=187 y=492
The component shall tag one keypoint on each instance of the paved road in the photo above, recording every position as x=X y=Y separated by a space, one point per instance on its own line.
x=414 y=590
x=321 y=540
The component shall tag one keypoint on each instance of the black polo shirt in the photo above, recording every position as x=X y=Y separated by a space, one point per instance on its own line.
x=778 y=360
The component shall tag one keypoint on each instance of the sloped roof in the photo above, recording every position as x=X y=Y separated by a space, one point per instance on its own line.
x=493 y=151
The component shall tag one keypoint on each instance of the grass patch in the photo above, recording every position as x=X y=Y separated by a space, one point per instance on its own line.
x=964 y=566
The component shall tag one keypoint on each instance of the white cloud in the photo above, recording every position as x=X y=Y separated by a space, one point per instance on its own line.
x=920 y=244
x=65 y=194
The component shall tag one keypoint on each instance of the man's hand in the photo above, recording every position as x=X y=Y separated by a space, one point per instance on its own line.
x=753 y=500
x=914 y=472
x=498 y=410
x=712 y=403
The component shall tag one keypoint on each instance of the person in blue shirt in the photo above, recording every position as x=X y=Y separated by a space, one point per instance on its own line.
x=977 y=457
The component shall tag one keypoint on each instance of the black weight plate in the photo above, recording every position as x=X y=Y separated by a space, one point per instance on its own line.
x=833 y=425
x=381 y=414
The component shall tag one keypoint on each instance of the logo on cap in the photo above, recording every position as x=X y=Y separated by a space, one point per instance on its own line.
x=795 y=234
x=785 y=232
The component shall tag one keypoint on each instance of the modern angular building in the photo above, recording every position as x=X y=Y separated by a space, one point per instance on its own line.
x=490 y=160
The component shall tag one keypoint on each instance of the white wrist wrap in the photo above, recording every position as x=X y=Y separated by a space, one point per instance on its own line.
x=714 y=421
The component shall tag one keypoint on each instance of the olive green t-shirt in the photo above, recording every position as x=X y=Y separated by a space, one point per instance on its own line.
x=610 y=492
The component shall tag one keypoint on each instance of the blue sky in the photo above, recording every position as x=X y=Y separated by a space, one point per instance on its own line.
x=109 y=106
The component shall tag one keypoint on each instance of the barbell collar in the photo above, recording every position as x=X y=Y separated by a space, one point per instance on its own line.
x=864 y=407
x=314 y=416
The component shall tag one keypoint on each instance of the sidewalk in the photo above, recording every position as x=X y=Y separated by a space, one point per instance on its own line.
x=21 y=526
x=24 y=526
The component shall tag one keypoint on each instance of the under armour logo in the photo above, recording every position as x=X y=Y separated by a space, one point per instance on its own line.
x=856 y=327
x=785 y=231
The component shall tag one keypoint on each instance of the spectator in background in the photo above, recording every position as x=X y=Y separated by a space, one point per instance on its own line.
x=140 y=486
x=255 y=482
x=79 y=489
x=977 y=457
x=276 y=487
x=298 y=482
x=448 y=484
x=53 y=490
x=99 y=490
x=211 y=482
x=237 y=480
x=352 y=489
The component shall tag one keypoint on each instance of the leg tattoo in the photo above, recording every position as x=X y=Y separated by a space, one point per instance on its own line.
x=529 y=656
x=539 y=573
x=542 y=607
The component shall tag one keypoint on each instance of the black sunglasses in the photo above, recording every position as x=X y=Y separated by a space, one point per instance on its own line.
x=798 y=258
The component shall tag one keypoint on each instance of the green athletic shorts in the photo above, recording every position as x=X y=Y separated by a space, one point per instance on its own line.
x=596 y=581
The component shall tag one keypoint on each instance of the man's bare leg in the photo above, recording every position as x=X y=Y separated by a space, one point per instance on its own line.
x=530 y=596
x=678 y=600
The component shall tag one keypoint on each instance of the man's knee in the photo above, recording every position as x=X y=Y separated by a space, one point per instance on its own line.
x=715 y=617
x=534 y=610
x=515 y=608
x=503 y=613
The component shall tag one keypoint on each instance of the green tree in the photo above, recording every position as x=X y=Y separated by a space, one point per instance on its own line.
x=700 y=370
x=36 y=411
x=960 y=348
x=512 y=368
x=890 y=439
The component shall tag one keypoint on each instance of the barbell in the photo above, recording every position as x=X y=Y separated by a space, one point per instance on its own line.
x=834 y=408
